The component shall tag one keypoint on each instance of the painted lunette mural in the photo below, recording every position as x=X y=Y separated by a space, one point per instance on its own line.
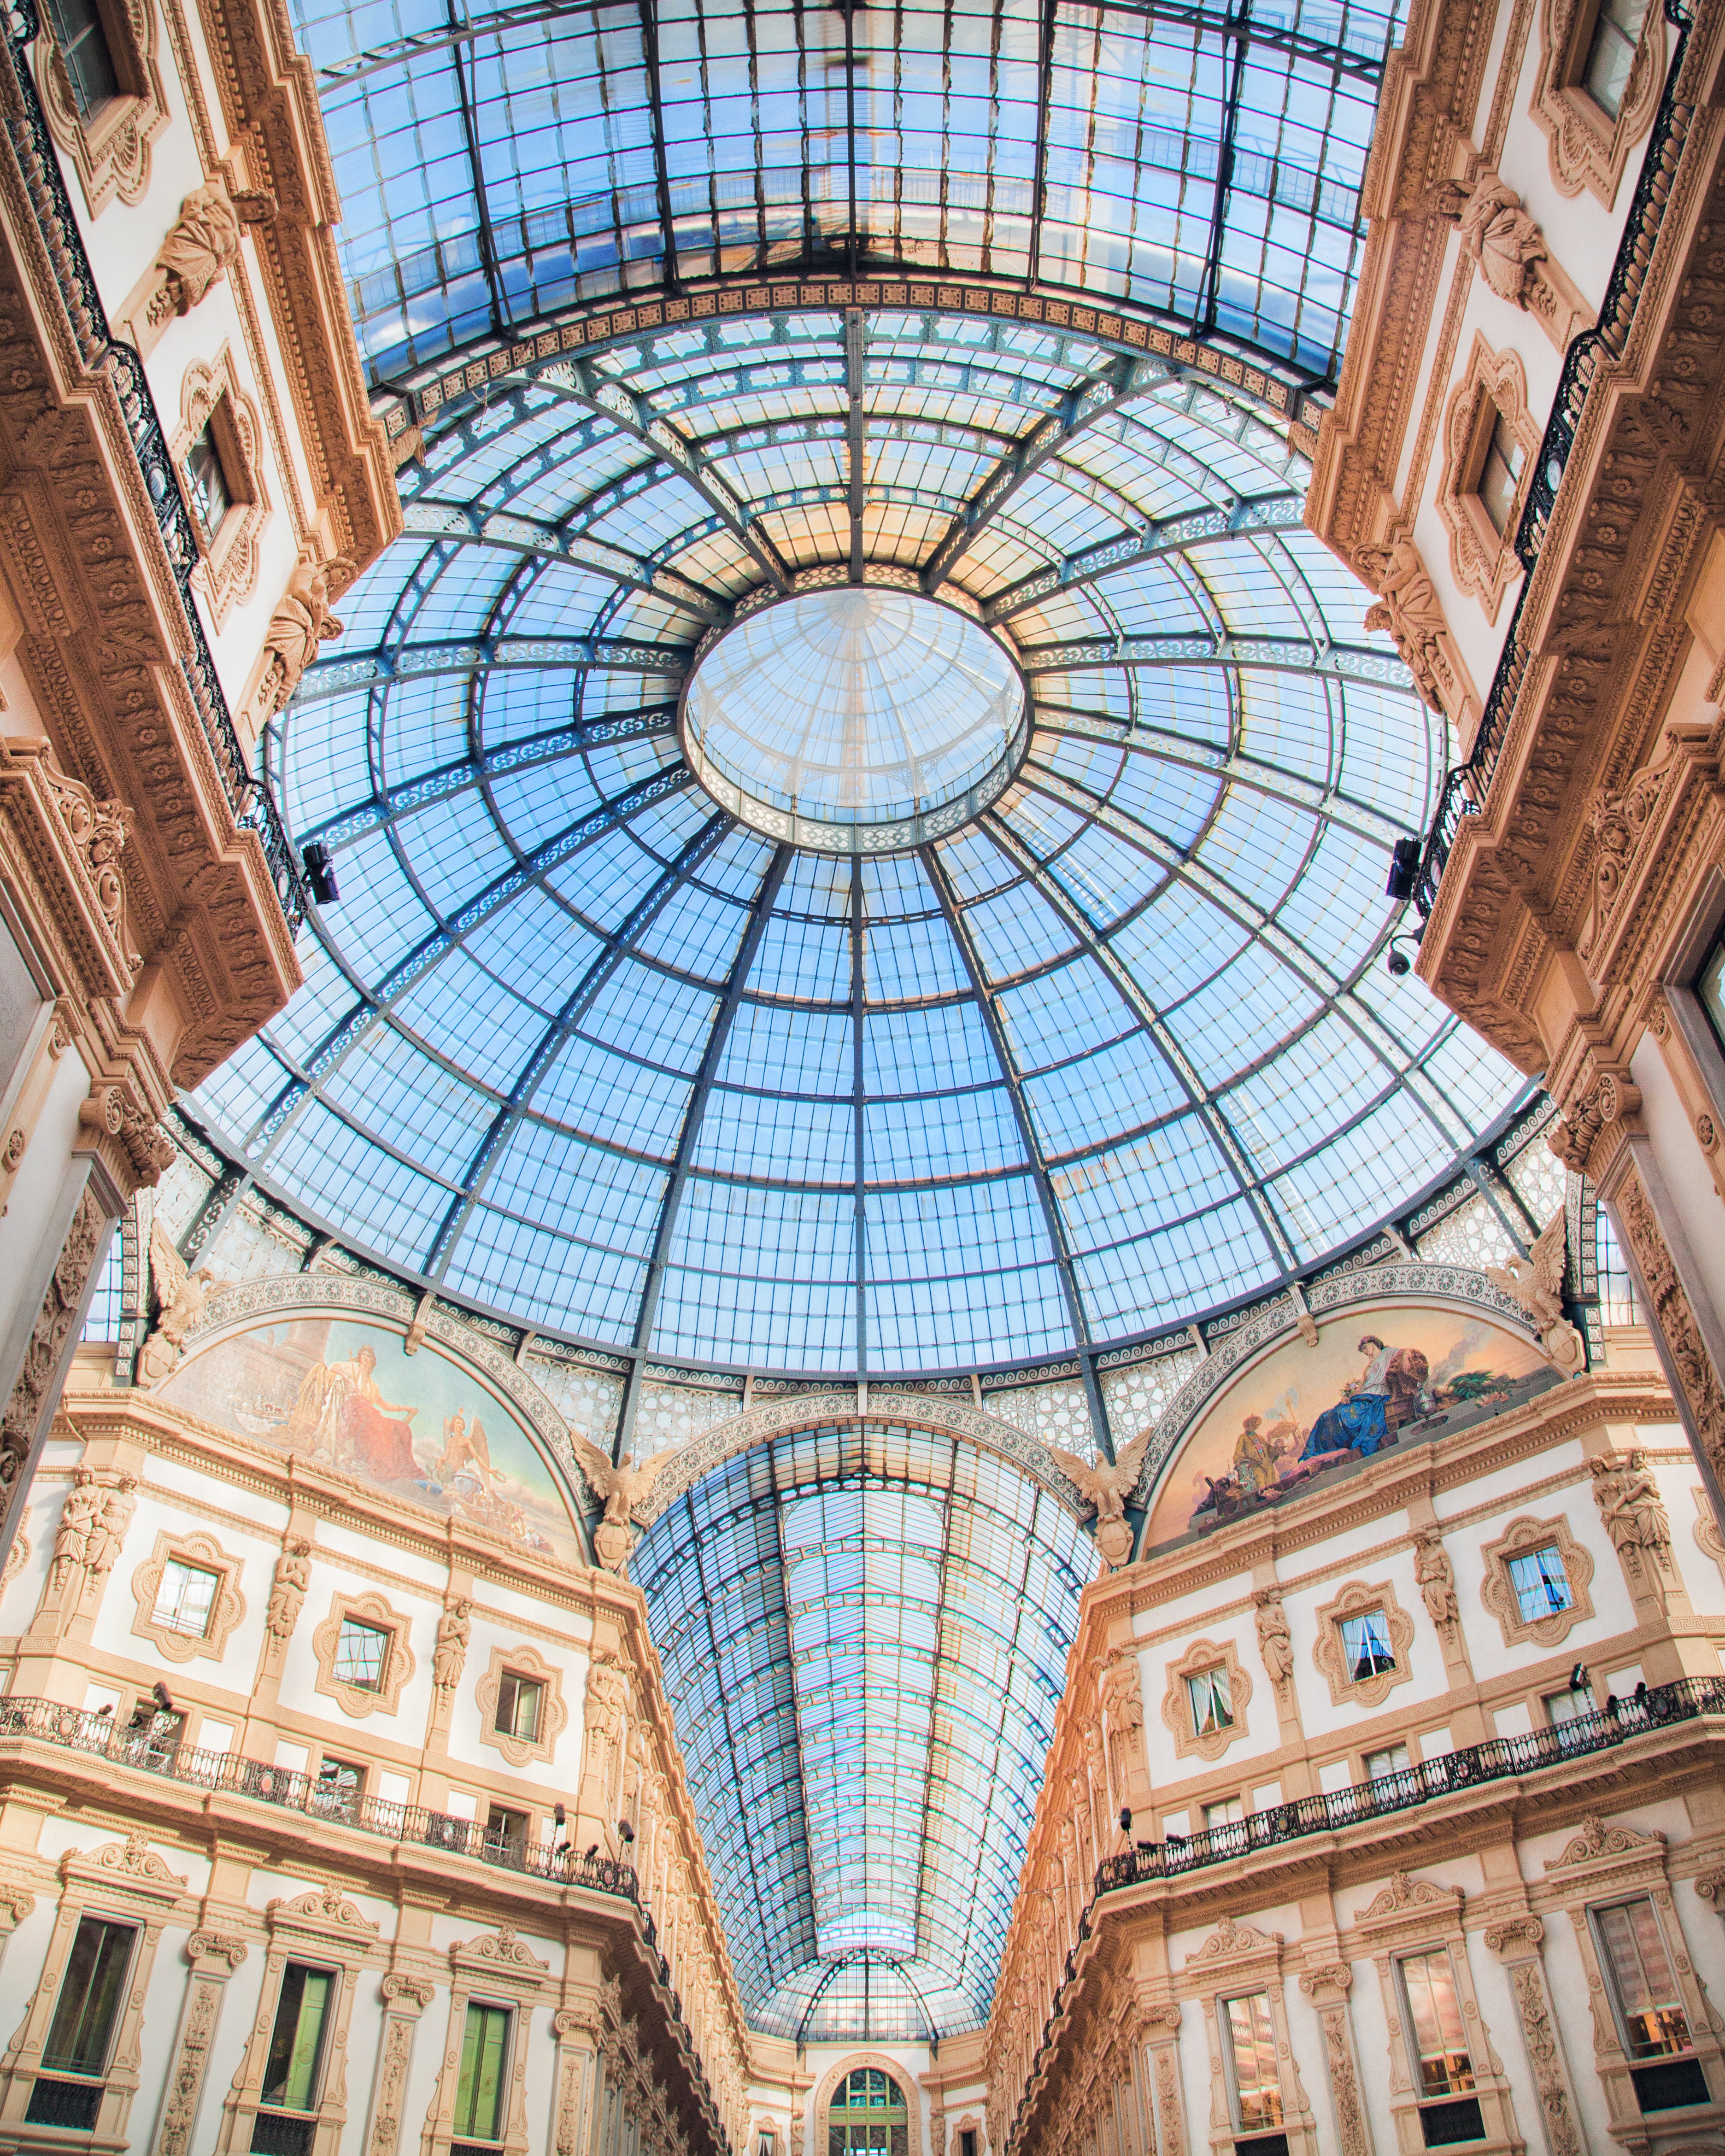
x=1380 y=1375
x=345 y=1394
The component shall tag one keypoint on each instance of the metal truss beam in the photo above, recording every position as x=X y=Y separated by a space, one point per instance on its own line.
x=1090 y=401
x=476 y=166
x=580 y=379
x=529 y=537
x=647 y=1311
x=478 y=655
x=1083 y=930
x=343 y=1038
x=1172 y=534
x=1054 y=1225
x=855 y=454
x=1334 y=808
x=1342 y=662
x=657 y=720
x=555 y=1038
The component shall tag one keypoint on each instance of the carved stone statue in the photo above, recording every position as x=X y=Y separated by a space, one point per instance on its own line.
x=605 y=1733
x=182 y=1297
x=1274 y=1643
x=1409 y=610
x=1633 y=1513
x=1500 y=237
x=1123 y=1702
x=80 y=1518
x=204 y=240
x=1537 y=1283
x=287 y=1593
x=1436 y=1578
x=107 y=1536
x=302 y=621
x=455 y=1628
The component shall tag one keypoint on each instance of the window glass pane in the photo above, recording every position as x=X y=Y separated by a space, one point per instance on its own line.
x=89 y=1998
x=360 y=1650
x=1569 y=1705
x=339 y=1785
x=479 y=2094
x=1250 y=2043
x=1611 y=52
x=1212 y=1705
x=185 y=1599
x=207 y=484
x=1541 y=1585
x=1654 y=2022
x=518 y=1707
x=1434 y=2015
x=1501 y=474
x=1392 y=1760
x=1617 y=1288
x=83 y=46
x=1365 y=1646
x=291 y=2075
x=1227 y=1811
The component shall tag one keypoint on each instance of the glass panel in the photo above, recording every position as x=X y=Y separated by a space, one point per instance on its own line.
x=1434 y=2017
x=518 y=1700
x=185 y=1599
x=1501 y=474
x=361 y=1652
x=1392 y=1760
x=89 y=2004
x=1654 y=2022
x=1611 y=52
x=296 y=2044
x=341 y=1783
x=478 y=2092
x=1248 y=2051
x=1617 y=1288
x=1207 y=1694
x=1541 y=1583
x=1365 y=1646
x=89 y=61
x=1226 y=1811
x=207 y=484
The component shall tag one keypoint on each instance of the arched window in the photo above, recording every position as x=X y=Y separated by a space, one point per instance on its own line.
x=868 y=2111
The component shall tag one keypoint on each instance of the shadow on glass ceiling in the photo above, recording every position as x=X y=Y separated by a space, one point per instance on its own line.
x=864 y=1633
x=578 y=1045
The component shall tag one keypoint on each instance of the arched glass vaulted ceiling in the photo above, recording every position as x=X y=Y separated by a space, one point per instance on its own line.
x=864 y=1633
x=576 y=1046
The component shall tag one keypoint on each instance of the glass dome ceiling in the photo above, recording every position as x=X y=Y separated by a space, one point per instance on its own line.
x=577 y=1044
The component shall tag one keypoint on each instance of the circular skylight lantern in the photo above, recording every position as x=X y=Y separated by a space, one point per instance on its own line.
x=854 y=719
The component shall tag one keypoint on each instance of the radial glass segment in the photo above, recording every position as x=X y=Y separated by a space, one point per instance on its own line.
x=866 y=710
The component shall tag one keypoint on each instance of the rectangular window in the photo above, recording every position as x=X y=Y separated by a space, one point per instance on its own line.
x=1501 y=474
x=206 y=481
x=361 y=1651
x=1249 y=2054
x=185 y=1599
x=1572 y=1705
x=1710 y=991
x=505 y=1834
x=1207 y=1695
x=296 y=2046
x=90 y=1992
x=967 y=2142
x=1365 y=1646
x=1541 y=1583
x=1392 y=1760
x=1435 y=2017
x=1643 y=1990
x=83 y=39
x=1611 y=52
x=341 y=1784
x=1226 y=1811
x=518 y=1702
x=478 y=2092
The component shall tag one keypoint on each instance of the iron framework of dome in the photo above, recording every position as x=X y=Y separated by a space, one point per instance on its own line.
x=695 y=310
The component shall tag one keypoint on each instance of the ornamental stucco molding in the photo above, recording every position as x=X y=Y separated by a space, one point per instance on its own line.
x=740 y=1433
x=1325 y=1298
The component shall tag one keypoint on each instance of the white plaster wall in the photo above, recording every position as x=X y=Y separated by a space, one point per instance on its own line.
x=112 y=1633
x=33 y=1218
x=122 y=237
x=1686 y=1501
x=1256 y=1725
x=1687 y=1171
x=1614 y=1609
x=22 y=1594
x=1320 y=1717
x=483 y=1762
x=298 y=1693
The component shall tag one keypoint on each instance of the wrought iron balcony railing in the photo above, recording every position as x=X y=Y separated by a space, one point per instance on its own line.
x=1589 y=357
x=45 y=189
x=1500 y=1758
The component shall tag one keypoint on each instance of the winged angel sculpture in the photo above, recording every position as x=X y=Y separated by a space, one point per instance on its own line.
x=1537 y=1283
x=1107 y=1485
x=182 y=1296
x=623 y=1486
